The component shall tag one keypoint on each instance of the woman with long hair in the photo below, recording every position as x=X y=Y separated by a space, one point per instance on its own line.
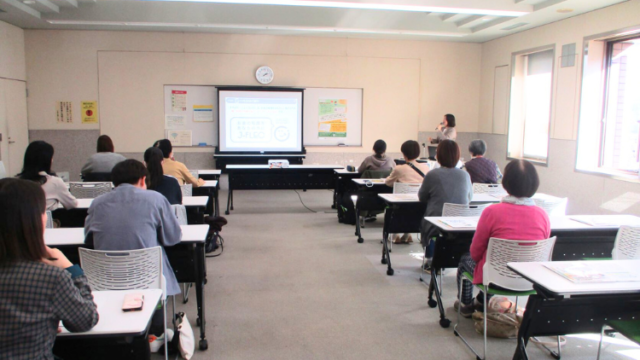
x=39 y=286
x=37 y=167
x=157 y=181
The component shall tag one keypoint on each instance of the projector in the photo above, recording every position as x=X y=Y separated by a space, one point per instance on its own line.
x=278 y=164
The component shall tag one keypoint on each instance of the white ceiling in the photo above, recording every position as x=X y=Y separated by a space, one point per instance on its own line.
x=446 y=20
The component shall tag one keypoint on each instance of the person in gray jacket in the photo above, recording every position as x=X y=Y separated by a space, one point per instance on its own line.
x=104 y=160
x=446 y=184
x=377 y=161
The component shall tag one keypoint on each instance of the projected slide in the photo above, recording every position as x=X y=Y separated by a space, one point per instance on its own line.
x=260 y=121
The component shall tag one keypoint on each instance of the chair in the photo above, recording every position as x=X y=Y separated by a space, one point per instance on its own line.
x=627 y=244
x=495 y=272
x=371 y=205
x=488 y=189
x=629 y=329
x=406 y=188
x=49 y=220
x=552 y=206
x=126 y=270
x=96 y=176
x=187 y=189
x=89 y=190
x=181 y=213
x=375 y=174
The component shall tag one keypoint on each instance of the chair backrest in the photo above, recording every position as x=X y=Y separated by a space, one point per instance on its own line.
x=194 y=173
x=89 y=190
x=501 y=252
x=375 y=174
x=122 y=270
x=406 y=188
x=463 y=210
x=49 y=220
x=181 y=213
x=187 y=189
x=552 y=206
x=627 y=244
x=97 y=176
x=488 y=189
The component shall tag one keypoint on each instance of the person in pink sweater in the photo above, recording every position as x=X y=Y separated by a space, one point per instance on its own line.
x=516 y=217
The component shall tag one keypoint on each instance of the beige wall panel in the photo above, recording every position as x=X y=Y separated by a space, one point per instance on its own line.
x=566 y=94
x=12 y=65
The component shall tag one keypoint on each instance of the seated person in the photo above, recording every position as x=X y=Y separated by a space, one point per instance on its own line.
x=104 y=160
x=175 y=168
x=480 y=169
x=411 y=172
x=157 y=181
x=37 y=167
x=39 y=287
x=516 y=217
x=446 y=130
x=445 y=184
x=378 y=161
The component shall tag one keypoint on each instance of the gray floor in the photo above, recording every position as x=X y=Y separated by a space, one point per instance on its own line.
x=293 y=284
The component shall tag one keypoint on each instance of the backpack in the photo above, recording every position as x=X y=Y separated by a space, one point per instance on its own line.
x=346 y=210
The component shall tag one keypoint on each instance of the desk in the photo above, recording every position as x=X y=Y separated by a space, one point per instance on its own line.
x=404 y=214
x=575 y=241
x=186 y=258
x=71 y=218
x=209 y=174
x=223 y=160
x=114 y=325
x=563 y=307
x=261 y=177
x=209 y=189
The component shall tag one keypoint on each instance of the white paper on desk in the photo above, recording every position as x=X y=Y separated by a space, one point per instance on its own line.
x=172 y=122
x=405 y=196
x=179 y=137
x=593 y=272
x=460 y=223
x=608 y=221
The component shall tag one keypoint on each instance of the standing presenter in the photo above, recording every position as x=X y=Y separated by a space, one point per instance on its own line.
x=446 y=130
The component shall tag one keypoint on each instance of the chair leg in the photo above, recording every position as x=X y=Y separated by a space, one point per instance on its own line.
x=173 y=315
x=484 y=320
x=455 y=327
x=166 y=336
x=599 y=345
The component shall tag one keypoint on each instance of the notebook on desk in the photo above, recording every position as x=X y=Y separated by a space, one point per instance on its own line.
x=592 y=272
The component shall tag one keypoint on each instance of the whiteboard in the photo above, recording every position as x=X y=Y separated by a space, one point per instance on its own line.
x=201 y=132
x=312 y=98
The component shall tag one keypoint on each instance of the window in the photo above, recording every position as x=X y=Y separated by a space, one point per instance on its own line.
x=530 y=105
x=609 y=131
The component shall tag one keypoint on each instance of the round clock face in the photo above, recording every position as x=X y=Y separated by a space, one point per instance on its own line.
x=264 y=75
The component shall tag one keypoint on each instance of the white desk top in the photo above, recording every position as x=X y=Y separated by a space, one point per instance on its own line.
x=373 y=181
x=290 y=166
x=273 y=156
x=75 y=236
x=114 y=321
x=186 y=201
x=209 y=172
x=411 y=198
x=538 y=274
x=210 y=183
x=345 y=171
x=557 y=222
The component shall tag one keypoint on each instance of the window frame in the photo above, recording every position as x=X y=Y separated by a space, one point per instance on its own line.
x=514 y=57
x=609 y=36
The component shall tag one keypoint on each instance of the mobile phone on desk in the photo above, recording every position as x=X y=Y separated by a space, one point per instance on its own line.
x=133 y=302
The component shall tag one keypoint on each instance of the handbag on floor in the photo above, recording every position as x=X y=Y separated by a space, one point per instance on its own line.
x=503 y=319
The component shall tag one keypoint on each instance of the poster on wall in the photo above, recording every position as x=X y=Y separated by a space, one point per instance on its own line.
x=172 y=122
x=179 y=137
x=64 y=112
x=89 y=112
x=179 y=100
x=332 y=118
x=203 y=113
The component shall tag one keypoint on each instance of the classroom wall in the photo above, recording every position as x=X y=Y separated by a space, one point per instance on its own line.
x=12 y=57
x=588 y=194
x=408 y=85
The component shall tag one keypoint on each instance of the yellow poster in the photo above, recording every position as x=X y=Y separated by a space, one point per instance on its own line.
x=89 y=112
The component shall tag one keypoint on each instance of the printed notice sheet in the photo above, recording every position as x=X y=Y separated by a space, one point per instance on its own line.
x=64 y=112
x=179 y=100
x=461 y=223
x=173 y=122
x=332 y=118
x=203 y=113
x=89 y=112
x=179 y=137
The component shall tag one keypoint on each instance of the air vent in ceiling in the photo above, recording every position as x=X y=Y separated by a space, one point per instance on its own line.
x=514 y=26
